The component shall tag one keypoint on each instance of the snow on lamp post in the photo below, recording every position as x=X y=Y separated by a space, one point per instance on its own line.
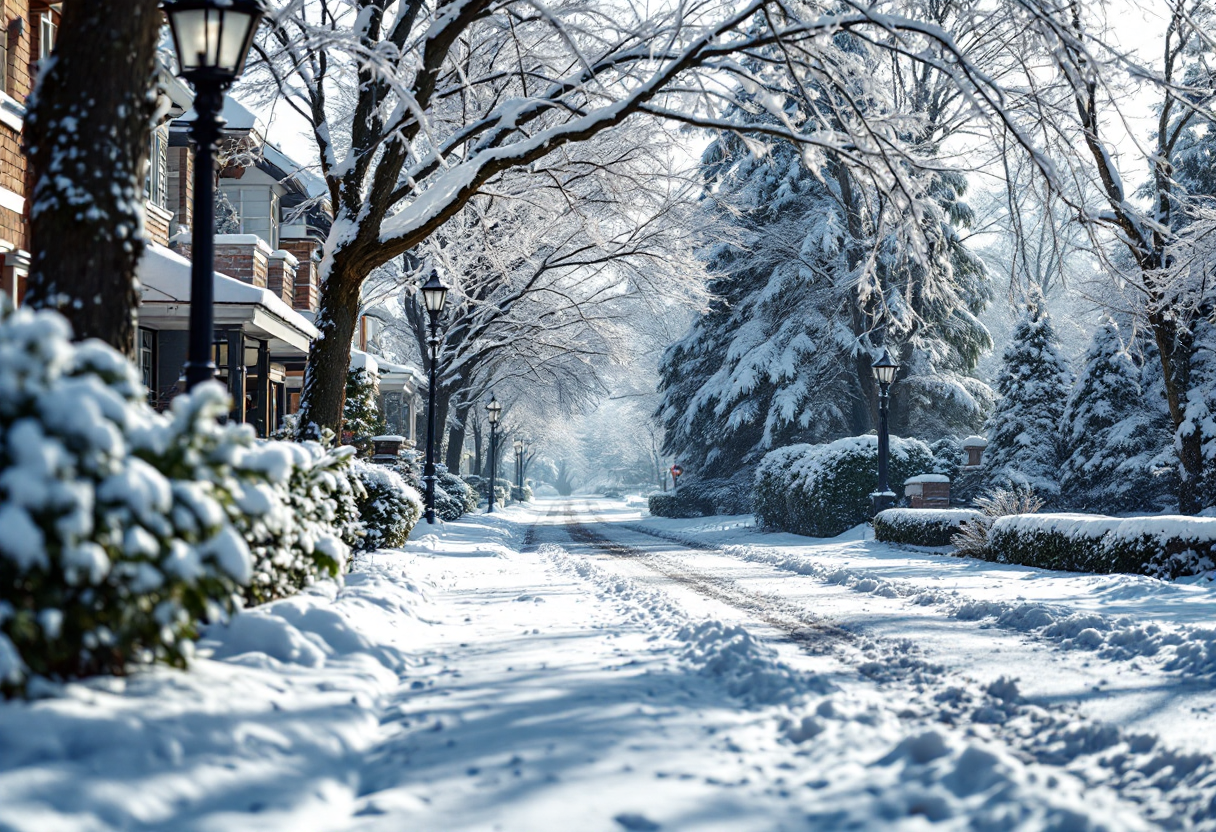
x=884 y=372
x=493 y=409
x=434 y=295
x=212 y=38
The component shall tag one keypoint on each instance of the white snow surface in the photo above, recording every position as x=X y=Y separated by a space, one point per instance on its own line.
x=633 y=673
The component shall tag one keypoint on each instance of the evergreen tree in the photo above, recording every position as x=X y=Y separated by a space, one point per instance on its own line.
x=227 y=218
x=1113 y=435
x=1024 y=431
x=361 y=416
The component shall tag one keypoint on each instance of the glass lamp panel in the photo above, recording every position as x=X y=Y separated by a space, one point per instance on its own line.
x=234 y=40
x=197 y=33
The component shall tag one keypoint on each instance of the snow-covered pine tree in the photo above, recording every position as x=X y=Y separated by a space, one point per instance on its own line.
x=361 y=416
x=1112 y=435
x=1024 y=430
x=783 y=355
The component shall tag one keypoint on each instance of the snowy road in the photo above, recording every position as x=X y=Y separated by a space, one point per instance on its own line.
x=578 y=666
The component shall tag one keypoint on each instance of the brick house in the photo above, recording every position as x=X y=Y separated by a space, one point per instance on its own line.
x=266 y=284
x=28 y=37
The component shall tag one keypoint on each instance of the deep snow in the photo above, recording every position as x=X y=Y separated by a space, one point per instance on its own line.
x=514 y=672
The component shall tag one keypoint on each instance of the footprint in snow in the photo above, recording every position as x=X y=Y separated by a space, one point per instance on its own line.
x=636 y=823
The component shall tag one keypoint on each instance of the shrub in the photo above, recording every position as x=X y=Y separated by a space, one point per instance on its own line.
x=389 y=509
x=824 y=490
x=678 y=504
x=459 y=490
x=105 y=560
x=722 y=495
x=521 y=495
x=1161 y=546
x=972 y=537
x=921 y=526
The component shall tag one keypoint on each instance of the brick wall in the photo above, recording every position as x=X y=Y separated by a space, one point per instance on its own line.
x=245 y=261
x=307 y=286
x=282 y=275
x=156 y=223
x=18 y=81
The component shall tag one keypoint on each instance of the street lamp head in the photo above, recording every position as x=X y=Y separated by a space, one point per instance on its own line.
x=434 y=293
x=519 y=446
x=212 y=37
x=494 y=409
x=884 y=368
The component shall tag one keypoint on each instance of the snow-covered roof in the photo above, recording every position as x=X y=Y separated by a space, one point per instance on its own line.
x=165 y=279
x=926 y=478
x=311 y=181
x=360 y=360
x=236 y=114
x=975 y=442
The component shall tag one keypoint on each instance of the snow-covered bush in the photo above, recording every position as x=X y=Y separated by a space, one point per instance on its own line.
x=107 y=557
x=388 y=508
x=521 y=495
x=361 y=416
x=921 y=526
x=824 y=490
x=678 y=503
x=1161 y=546
x=460 y=491
x=721 y=495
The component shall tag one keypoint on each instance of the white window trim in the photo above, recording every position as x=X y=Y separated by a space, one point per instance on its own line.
x=12 y=200
x=12 y=112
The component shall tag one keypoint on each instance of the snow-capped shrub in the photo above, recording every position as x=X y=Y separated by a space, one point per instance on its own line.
x=108 y=556
x=1161 y=546
x=921 y=526
x=460 y=491
x=972 y=538
x=521 y=495
x=678 y=503
x=824 y=490
x=722 y=495
x=389 y=508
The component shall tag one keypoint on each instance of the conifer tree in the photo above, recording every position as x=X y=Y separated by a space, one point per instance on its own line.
x=1024 y=431
x=361 y=416
x=1113 y=436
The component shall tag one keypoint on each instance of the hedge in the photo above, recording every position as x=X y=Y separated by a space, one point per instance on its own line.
x=1163 y=546
x=921 y=526
x=824 y=490
x=388 y=507
x=678 y=503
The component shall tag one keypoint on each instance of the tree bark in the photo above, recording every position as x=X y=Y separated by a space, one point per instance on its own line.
x=456 y=433
x=87 y=138
x=324 y=392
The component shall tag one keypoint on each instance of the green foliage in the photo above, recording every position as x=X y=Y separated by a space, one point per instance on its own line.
x=824 y=490
x=389 y=509
x=1026 y=447
x=1160 y=546
x=679 y=503
x=921 y=527
x=361 y=416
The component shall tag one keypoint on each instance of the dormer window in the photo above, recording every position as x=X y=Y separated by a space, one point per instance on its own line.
x=48 y=31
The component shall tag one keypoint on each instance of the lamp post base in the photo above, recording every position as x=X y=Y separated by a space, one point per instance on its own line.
x=882 y=500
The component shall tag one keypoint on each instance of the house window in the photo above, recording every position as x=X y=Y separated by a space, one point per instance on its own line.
x=47 y=32
x=258 y=209
x=147 y=362
x=156 y=186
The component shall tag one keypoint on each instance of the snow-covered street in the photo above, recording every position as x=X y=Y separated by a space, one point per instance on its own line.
x=576 y=666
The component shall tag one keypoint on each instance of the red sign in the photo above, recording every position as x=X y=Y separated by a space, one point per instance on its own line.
x=676 y=470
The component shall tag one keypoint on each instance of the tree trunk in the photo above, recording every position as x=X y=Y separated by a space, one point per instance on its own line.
x=1175 y=344
x=87 y=136
x=324 y=391
x=456 y=436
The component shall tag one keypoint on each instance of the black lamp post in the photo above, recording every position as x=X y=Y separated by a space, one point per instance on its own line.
x=212 y=38
x=884 y=372
x=434 y=295
x=494 y=409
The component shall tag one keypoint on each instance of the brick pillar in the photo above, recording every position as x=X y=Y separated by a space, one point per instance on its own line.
x=307 y=297
x=243 y=256
x=282 y=275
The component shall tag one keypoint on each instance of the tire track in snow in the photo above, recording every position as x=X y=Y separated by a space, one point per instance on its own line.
x=1167 y=788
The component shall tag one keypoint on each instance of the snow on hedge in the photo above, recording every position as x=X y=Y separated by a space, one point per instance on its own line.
x=823 y=490
x=1163 y=546
x=922 y=526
